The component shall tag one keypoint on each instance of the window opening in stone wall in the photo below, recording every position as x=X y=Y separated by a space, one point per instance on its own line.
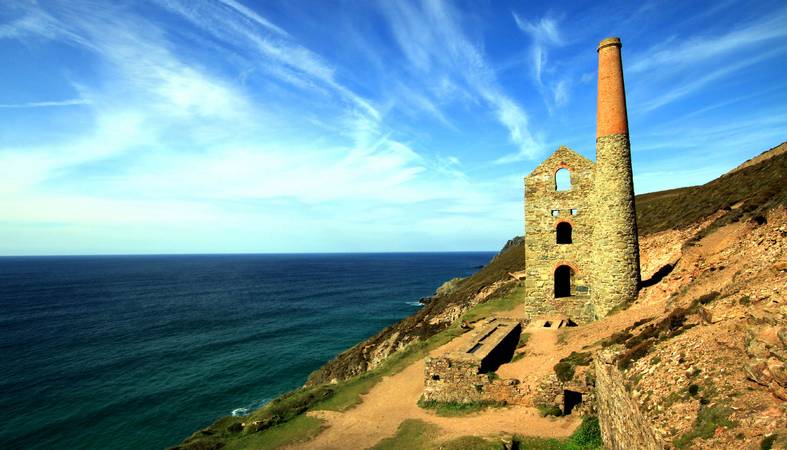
x=574 y=212
x=563 y=233
x=555 y=212
x=563 y=180
x=564 y=279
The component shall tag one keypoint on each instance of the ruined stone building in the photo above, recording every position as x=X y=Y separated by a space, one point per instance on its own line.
x=581 y=247
x=581 y=258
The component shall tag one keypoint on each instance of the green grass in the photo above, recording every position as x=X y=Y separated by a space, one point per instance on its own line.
x=523 y=339
x=453 y=409
x=417 y=434
x=586 y=437
x=348 y=394
x=708 y=419
x=549 y=410
x=298 y=429
x=506 y=301
x=411 y=434
x=565 y=368
x=470 y=443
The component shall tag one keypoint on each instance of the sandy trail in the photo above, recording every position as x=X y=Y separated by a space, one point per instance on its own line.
x=394 y=399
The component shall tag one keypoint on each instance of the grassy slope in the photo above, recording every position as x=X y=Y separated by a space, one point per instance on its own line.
x=757 y=188
x=418 y=327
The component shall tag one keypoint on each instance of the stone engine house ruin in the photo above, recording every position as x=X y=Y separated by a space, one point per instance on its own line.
x=581 y=246
x=581 y=260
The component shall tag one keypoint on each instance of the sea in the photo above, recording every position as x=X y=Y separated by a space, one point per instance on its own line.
x=122 y=352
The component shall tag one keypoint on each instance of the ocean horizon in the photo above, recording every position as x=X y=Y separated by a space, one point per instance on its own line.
x=122 y=351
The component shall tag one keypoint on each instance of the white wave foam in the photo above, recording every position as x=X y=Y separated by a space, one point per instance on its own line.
x=414 y=303
x=244 y=410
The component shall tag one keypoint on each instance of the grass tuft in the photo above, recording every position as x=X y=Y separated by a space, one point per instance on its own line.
x=453 y=409
x=708 y=420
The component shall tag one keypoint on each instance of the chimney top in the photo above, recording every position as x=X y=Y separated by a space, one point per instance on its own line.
x=609 y=42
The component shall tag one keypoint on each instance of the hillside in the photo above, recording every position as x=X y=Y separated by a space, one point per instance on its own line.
x=699 y=357
x=750 y=189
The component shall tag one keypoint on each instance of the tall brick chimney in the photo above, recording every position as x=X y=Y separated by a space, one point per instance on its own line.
x=616 y=275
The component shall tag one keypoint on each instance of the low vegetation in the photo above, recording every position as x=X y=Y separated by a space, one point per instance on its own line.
x=283 y=421
x=412 y=433
x=746 y=193
x=566 y=367
x=586 y=437
x=452 y=409
x=708 y=420
x=506 y=300
x=417 y=434
x=549 y=410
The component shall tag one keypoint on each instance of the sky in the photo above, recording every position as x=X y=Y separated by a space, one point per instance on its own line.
x=240 y=126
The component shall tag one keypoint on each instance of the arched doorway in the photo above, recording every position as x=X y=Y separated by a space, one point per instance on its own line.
x=563 y=233
x=564 y=279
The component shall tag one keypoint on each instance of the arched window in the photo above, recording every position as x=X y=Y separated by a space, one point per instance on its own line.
x=563 y=180
x=564 y=279
x=563 y=233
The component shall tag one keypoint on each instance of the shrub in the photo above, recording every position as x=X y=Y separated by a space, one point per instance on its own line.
x=694 y=390
x=616 y=338
x=564 y=371
x=708 y=419
x=709 y=297
x=767 y=442
x=565 y=368
x=549 y=410
x=588 y=435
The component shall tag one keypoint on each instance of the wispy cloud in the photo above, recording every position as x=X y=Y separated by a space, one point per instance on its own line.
x=46 y=104
x=544 y=35
x=431 y=38
x=696 y=84
x=279 y=54
x=699 y=49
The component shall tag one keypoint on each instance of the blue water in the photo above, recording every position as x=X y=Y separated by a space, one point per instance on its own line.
x=141 y=351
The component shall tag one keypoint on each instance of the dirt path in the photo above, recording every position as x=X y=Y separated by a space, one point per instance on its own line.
x=394 y=399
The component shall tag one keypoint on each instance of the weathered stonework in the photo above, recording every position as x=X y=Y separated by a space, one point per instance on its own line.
x=467 y=375
x=623 y=426
x=601 y=261
x=553 y=392
x=545 y=209
x=616 y=273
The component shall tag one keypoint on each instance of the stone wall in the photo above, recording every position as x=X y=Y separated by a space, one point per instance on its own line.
x=623 y=426
x=449 y=380
x=551 y=391
x=615 y=245
x=542 y=253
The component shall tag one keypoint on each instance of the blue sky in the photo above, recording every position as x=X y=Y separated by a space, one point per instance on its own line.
x=319 y=126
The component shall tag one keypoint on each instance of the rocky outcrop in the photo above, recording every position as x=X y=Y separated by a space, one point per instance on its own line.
x=766 y=347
